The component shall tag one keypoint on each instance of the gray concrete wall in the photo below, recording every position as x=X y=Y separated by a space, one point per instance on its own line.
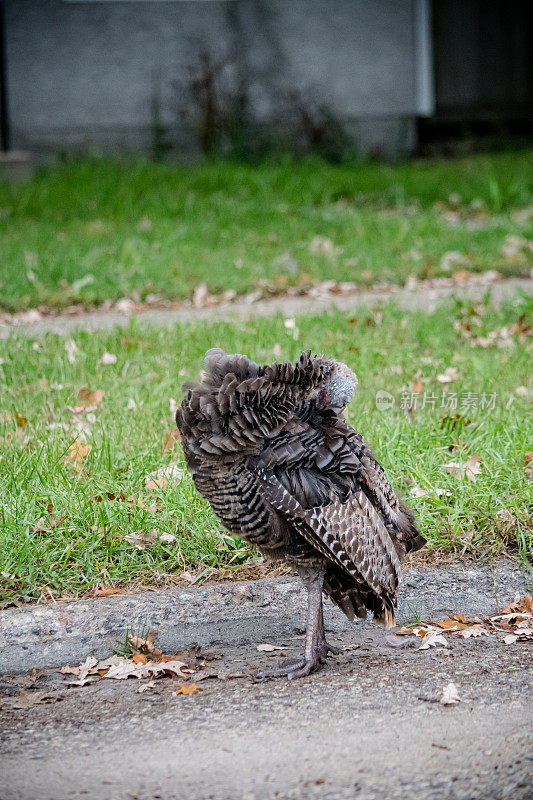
x=82 y=74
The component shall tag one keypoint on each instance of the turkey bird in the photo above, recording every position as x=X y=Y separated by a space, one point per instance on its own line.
x=269 y=448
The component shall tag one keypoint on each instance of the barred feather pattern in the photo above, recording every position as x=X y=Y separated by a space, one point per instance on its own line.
x=292 y=477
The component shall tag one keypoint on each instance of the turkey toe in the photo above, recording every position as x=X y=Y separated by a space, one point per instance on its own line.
x=295 y=668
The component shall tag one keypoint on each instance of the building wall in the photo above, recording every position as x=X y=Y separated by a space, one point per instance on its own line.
x=83 y=74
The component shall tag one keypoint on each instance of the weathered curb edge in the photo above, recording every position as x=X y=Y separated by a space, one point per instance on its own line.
x=421 y=299
x=229 y=614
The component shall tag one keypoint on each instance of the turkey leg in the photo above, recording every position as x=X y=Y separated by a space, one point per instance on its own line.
x=316 y=646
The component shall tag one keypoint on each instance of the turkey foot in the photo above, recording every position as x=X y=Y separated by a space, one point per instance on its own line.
x=299 y=667
x=293 y=668
x=316 y=646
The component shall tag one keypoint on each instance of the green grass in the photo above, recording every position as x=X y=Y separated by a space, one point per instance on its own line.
x=138 y=229
x=388 y=352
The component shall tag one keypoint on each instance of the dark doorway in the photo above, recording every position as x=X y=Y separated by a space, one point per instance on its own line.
x=483 y=71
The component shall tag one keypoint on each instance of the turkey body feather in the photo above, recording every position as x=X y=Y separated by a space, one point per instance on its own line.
x=269 y=448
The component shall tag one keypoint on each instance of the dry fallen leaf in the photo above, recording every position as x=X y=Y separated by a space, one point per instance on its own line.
x=506 y=515
x=29 y=699
x=268 y=648
x=470 y=468
x=146 y=686
x=188 y=688
x=473 y=631
x=161 y=478
x=200 y=296
x=76 y=454
x=450 y=374
x=450 y=624
x=171 y=441
x=452 y=258
x=108 y=358
x=68 y=670
x=71 y=348
x=450 y=695
x=526 y=604
x=120 y=668
x=87 y=667
x=45 y=526
x=146 y=645
x=144 y=539
x=432 y=639
x=107 y=591
x=21 y=421
x=25 y=681
x=85 y=681
x=89 y=398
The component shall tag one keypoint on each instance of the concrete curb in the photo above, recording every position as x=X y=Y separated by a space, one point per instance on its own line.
x=230 y=614
x=420 y=299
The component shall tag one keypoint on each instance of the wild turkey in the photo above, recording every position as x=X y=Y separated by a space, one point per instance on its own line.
x=269 y=448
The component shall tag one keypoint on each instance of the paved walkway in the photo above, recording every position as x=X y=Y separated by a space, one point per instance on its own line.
x=420 y=298
x=367 y=726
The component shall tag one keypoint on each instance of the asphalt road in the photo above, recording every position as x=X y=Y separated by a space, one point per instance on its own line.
x=367 y=726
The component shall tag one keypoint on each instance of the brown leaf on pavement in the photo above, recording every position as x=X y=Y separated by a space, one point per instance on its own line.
x=146 y=646
x=432 y=639
x=524 y=605
x=29 y=699
x=195 y=658
x=25 y=681
x=68 y=670
x=120 y=668
x=451 y=624
x=450 y=695
x=473 y=631
x=146 y=687
x=188 y=688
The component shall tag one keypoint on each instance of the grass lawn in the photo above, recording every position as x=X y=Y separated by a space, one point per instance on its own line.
x=61 y=533
x=88 y=232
